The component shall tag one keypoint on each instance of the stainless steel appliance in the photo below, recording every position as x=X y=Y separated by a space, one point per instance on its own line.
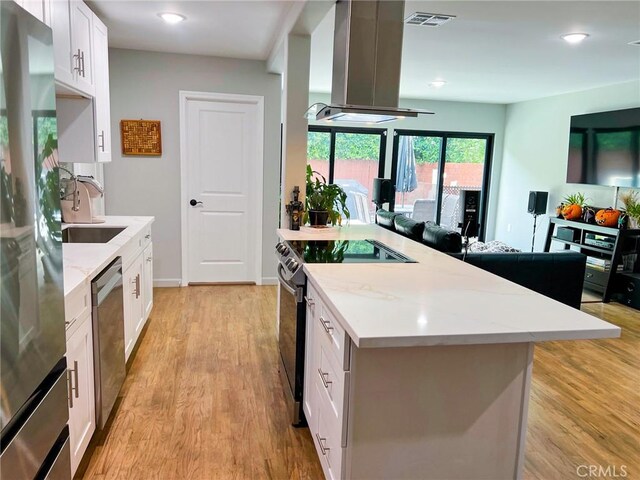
x=108 y=338
x=292 y=310
x=33 y=396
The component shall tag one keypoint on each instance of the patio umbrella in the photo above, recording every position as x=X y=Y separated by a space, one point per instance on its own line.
x=406 y=175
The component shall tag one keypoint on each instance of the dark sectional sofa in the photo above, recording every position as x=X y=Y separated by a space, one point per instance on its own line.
x=558 y=275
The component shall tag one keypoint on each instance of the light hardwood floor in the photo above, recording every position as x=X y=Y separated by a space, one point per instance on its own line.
x=202 y=399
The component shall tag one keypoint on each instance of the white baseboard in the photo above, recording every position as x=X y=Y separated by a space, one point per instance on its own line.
x=166 y=282
x=269 y=281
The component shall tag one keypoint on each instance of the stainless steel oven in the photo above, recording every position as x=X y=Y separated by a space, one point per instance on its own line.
x=291 y=333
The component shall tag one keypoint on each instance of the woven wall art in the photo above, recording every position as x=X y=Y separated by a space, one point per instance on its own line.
x=141 y=137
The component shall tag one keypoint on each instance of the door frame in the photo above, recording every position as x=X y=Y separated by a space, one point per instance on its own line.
x=184 y=97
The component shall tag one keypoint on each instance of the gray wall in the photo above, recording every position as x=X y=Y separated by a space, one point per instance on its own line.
x=146 y=85
x=536 y=144
x=451 y=117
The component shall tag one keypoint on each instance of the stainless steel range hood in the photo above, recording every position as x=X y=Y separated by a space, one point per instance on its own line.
x=367 y=53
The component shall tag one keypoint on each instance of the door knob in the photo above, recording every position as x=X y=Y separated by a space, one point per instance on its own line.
x=193 y=202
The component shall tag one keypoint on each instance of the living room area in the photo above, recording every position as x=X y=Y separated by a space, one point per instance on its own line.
x=500 y=129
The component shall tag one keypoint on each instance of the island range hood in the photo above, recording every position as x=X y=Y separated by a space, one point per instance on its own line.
x=367 y=51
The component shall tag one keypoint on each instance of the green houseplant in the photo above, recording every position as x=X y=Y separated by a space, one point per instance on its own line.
x=631 y=203
x=325 y=202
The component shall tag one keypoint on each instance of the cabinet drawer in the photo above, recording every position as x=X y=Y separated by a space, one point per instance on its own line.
x=327 y=441
x=77 y=305
x=334 y=336
x=596 y=277
x=333 y=385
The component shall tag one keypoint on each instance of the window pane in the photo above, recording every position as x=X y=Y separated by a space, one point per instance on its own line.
x=463 y=170
x=318 y=148
x=417 y=199
x=356 y=165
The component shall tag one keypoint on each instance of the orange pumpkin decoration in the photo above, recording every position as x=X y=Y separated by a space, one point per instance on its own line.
x=608 y=217
x=572 y=212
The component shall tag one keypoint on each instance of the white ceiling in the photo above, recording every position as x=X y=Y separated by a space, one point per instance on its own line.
x=506 y=51
x=234 y=28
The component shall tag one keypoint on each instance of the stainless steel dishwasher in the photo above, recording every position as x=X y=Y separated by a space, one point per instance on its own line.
x=108 y=338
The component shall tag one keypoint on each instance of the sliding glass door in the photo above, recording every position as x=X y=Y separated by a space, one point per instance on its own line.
x=351 y=158
x=448 y=168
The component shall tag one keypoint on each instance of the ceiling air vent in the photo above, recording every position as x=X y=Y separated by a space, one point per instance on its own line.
x=636 y=43
x=428 y=19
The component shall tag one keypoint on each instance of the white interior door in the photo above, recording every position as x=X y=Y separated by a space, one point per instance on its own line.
x=222 y=162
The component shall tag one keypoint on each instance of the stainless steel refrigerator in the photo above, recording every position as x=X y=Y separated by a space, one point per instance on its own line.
x=33 y=395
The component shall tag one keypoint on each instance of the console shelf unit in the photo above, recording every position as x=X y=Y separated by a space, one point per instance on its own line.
x=601 y=281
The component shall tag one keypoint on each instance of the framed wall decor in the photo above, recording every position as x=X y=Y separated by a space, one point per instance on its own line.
x=141 y=137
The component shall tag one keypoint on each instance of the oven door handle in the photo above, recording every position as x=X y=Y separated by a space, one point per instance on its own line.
x=296 y=292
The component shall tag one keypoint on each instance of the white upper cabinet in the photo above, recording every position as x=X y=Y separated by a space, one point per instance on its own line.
x=102 y=99
x=72 y=25
x=61 y=26
x=82 y=40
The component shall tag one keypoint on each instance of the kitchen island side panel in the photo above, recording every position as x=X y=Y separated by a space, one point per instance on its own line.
x=453 y=412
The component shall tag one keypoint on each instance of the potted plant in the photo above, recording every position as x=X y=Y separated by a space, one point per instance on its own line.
x=631 y=203
x=573 y=204
x=325 y=202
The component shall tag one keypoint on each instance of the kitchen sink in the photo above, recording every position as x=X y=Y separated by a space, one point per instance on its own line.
x=89 y=234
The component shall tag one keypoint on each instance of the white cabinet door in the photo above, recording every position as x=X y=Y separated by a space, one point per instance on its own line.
x=82 y=45
x=102 y=101
x=133 y=308
x=147 y=280
x=82 y=412
x=310 y=361
x=60 y=23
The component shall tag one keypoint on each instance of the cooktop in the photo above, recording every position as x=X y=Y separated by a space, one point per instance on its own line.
x=346 y=251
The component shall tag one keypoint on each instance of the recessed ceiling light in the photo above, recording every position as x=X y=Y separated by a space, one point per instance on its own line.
x=574 y=37
x=172 y=18
x=437 y=83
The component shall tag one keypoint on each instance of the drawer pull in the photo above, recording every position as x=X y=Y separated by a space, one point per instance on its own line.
x=72 y=378
x=326 y=324
x=323 y=377
x=324 y=449
x=310 y=301
x=148 y=235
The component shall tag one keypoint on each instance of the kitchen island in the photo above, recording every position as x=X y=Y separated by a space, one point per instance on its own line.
x=422 y=370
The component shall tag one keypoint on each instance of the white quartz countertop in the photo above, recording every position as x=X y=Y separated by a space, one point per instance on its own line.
x=83 y=261
x=438 y=301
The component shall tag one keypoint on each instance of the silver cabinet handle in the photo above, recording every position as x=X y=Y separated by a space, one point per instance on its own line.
x=324 y=449
x=324 y=376
x=77 y=60
x=310 y=301
x=138 y=286
x=72 y=377
x=82 y=63
x=101 y=137
x=326 y=324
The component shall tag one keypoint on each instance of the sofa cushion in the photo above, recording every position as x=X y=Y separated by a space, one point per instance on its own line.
x=385 y=219
x=408 y=227
x=441 y=239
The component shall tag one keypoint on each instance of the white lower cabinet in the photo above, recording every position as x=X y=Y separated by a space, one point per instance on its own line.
x=133 y=306
x=326 y=385
x=147 y=280
x=80 y=380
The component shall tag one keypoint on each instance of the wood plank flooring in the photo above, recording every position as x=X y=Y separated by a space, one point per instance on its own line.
x=203 y=400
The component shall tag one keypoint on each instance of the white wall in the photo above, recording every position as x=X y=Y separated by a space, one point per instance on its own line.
x=536 y=143
x=450 y=117
x=146 y=85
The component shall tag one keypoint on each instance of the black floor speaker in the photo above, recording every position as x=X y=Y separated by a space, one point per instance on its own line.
x=537 y=203
x=471 y=213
